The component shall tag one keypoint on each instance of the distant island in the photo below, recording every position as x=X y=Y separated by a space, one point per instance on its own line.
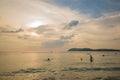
x=89 y=49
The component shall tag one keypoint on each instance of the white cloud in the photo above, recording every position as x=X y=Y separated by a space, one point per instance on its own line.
x=96 y=32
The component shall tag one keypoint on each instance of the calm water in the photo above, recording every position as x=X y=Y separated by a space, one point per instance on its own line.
x=62 y=66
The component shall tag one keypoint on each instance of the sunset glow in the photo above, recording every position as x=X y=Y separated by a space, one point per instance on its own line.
x=59 y=24
x=35 y=24
x=33 y=34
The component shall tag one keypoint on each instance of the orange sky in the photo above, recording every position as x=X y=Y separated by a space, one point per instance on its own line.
x=37 y=25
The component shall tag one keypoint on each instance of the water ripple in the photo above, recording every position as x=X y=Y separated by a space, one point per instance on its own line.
x=92 y=69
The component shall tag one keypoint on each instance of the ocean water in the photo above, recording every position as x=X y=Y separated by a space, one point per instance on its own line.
x=61 y=66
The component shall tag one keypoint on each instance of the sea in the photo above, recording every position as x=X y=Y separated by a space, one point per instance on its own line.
x=73 y=65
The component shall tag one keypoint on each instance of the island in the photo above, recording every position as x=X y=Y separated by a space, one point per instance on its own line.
x=89 y=49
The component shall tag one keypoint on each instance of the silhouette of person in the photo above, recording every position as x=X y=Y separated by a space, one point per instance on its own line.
x=81 y=59
x=91 y=58
x=48 y=59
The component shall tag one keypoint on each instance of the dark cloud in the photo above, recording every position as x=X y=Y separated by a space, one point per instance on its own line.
x=8 y=29
x=71 y=24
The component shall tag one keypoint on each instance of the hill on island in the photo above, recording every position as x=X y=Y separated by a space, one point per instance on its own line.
x=89 y=49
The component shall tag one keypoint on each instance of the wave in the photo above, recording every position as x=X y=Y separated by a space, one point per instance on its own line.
x=39 y=70
x=23 y=71
x=92 y=69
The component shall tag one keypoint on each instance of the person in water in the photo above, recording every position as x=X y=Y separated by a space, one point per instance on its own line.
x=91 y=58
x=48 y=59
x=103 y=55
x=81 y=59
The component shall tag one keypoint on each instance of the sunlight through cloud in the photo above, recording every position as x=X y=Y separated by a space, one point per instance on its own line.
x=36 y=24
x=33 y=34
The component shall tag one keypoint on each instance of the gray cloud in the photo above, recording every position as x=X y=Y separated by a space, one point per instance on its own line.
x=54 y=43
x=116 y=39
x=59 y=42
x=109 y=21
x=24 y=37
x=7 y=31
x=71 y=24
x=66 y=37
x=43 y=29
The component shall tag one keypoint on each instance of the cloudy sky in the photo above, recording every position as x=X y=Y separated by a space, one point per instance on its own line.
x=43 y=25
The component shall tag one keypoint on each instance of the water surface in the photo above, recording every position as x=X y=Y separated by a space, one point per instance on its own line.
x=61 y=66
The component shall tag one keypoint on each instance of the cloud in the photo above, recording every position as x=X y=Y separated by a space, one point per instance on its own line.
x=24 y=37
x=8 y=30
x=16 y=31
x=109 y=20
x=72 y=24
x=35 y=10
x=94 y=31
x=116 y=38
x=63 y=27
x=55 y=43
x=61 y=42
x=44 y=29
x=68 y=37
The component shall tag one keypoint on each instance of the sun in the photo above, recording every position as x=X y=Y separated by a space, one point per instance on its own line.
x=36 y=24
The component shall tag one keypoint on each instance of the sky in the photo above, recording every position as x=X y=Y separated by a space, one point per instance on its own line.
x=57 y=25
